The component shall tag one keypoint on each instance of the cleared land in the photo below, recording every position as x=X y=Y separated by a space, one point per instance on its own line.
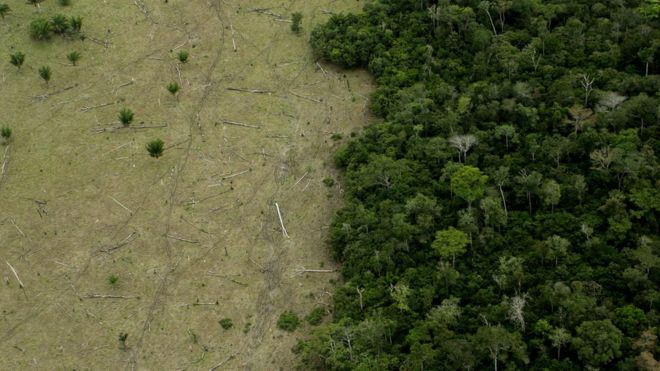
x=193 y=237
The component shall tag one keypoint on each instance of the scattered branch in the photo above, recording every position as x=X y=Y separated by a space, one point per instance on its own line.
x=122 y=205
x=131 y=237
x=223 y=362
x=85 y=109
x=182 y=239
x=279 y=215
x=20 y=283
x=254 y=91
x=235 y=123
x=303 y=270
x=307 y=98
x=99 y=296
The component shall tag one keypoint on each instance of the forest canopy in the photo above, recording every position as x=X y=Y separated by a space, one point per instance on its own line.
x=502 y=211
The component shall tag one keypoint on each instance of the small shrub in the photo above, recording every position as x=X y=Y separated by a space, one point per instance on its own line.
x=173 y=88
x=64 y=2
x=73 y=57
x=336 y=136
x=4 y=9
x=60 y=24
x=226 y=323
x=41 y=29
x=155 y=148
x=296 y=21
x=247 y=327
x=182 y=56
x=288 y=321
x=315 y=316
x=126 y=116
x=17 y=59
x=113 y=279
x=5 y=133
x=329 y=182
x=122 y=340
x=75 y=24
x=45 y=73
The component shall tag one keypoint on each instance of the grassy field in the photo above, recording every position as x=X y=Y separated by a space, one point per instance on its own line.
x=190 y=238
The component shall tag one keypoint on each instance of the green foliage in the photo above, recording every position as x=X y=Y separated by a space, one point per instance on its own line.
x=288 y=321
x=45 y=73
x=315 y=316
x=597 y=342
x=75 y=24
x=113 y=280
x=226 y=323
x=173 y=88
x=5 y=133
x=73 y=57
x=59 y=24
x=542 y=118
x=450 y=242
x=64 y=2
x=17 y=59
x=41 y=29
x=126 y=116
x=328 y=182
x=156 y=148
x=296 y=21
x=122 y=340
x=4 y=10
x=182 y=56
x=468 y=183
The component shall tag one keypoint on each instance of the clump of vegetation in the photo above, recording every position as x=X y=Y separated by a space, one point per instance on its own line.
x=5 y=133
x=41 y=29
x=122 y=340
x=4 y=10
x=73 y=57
x=156 y=148
x=182 y=56
x=126 y=116
x=113 y=279
x=296 y=22
x=507 y=197
x=17 y=59
x=315 y=316
x=45 y=73
x=173 y=88
x=60 y=24
x=288 y=321
x=336 y=136
x=75 y=24
x=226 y=323
x=328 y=182
x=247 y=327
x=64 y=2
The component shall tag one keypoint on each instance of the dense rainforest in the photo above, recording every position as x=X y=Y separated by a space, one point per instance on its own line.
x=503 y=210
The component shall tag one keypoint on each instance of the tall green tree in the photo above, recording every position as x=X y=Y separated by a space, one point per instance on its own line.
x=469 y=183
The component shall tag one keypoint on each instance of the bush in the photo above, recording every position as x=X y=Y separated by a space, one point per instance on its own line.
x=75 y=24
x=126 y=116
x=5 y=133
x=173 y=88
x=155 y=148
x=64 y=2
x=329 y=182
x=296 y=20
x=226 y=323
x=41 y=29
x=45 y=73
x=17 y=59
x=288 y=321
x=4 y=9
x=183 y=56
x=60 y=24
x=315 y=316
x=113 y=279
x=73 y=57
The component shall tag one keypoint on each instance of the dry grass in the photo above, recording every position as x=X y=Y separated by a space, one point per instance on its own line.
x=197 y=226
